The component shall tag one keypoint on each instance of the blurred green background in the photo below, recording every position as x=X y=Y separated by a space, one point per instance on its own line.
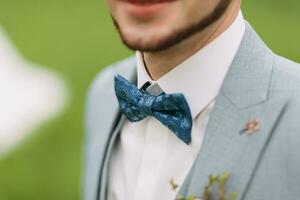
x=77 y=39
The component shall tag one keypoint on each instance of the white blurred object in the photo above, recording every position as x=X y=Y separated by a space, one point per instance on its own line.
x=29 y=95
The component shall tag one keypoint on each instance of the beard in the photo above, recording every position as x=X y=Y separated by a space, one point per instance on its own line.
x=179 y=35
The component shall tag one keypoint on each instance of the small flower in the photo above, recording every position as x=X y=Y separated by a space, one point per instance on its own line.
x=173 y=184
x=220 y=179
x=252 y=126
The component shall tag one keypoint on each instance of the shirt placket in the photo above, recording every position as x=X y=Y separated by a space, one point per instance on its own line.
x=153 y=157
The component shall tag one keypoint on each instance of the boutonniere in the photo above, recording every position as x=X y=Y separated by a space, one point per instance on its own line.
x=220 y=180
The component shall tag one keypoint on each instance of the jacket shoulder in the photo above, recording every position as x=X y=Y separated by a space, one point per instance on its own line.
x=286 y=77
x=286 y=83
x=124 y=67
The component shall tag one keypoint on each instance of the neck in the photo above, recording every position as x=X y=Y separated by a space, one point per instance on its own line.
x=159 y=63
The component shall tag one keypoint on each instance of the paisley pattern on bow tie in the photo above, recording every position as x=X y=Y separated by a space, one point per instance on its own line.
x=172 y=110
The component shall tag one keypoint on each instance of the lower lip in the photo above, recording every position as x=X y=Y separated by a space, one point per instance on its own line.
x=146 y=10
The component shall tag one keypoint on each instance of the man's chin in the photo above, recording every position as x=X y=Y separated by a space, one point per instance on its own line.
x=144 y=44
x=149 y=41
x=144 y=40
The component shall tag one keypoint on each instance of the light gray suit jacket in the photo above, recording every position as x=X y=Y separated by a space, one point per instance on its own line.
x=263 y=166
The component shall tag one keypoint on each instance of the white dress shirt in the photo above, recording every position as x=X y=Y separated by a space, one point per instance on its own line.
x=147 y=155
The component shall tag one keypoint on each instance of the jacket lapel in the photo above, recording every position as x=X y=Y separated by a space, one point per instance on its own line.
x=119 y=120
x=103 y=122
x=245 y=95
x=103 y=177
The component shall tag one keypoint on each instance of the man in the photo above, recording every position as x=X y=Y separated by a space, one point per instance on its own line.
x=203 y=96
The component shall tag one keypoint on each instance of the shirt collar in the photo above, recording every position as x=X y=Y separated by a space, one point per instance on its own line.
x=200 y=76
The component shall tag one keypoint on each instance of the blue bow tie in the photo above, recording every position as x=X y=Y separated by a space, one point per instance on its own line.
x=172 y=110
